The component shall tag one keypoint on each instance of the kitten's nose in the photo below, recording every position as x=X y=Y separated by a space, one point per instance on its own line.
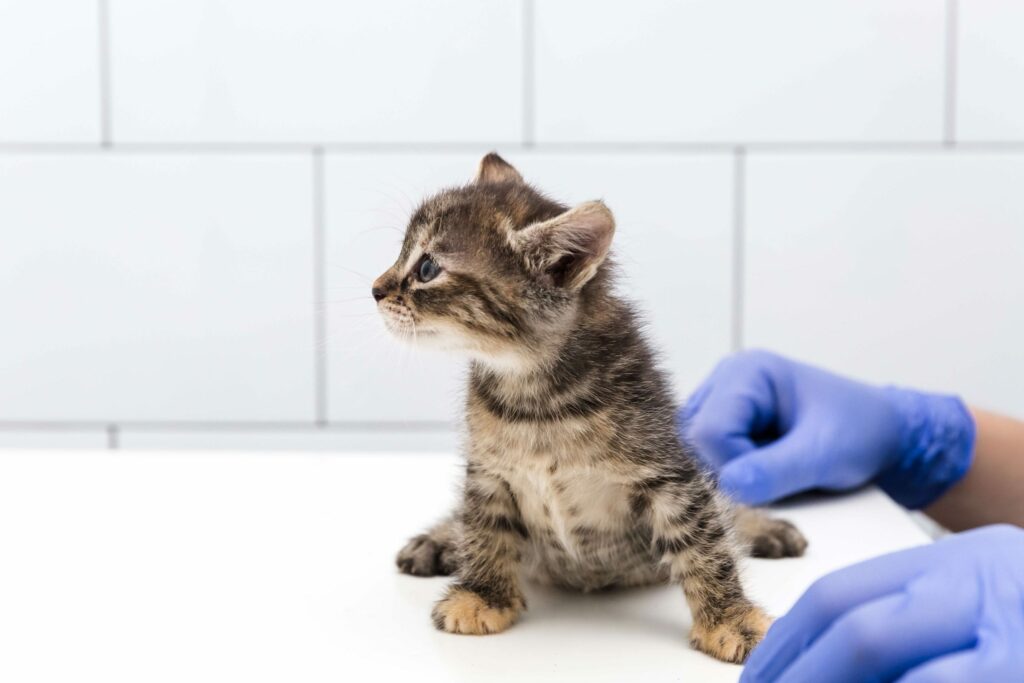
x=378 y=293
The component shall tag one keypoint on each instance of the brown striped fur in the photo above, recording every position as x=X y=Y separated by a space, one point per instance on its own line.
x=575 y=474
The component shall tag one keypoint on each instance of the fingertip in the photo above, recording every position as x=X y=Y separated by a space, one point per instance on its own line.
x=683 y=420
x=715 y=440
x=769 y=473
x=694 y=402
x=781 y=645
x=758 y=664
x=742 y=484
x=752 y=668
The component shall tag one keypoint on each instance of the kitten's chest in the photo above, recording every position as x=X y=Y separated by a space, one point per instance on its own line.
x=566 y=505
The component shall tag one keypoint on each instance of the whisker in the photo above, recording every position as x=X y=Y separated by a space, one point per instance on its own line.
x=363 y=290
x=358 y=339
x=387 y=191
x=380 y=229
x=347 y=301
x=367 y=314
x=366 y=278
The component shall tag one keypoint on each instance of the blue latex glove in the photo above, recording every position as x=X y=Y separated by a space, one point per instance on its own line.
x=951 y=611
x=772 y=427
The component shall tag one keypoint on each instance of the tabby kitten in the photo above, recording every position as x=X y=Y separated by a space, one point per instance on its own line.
x=575 y=474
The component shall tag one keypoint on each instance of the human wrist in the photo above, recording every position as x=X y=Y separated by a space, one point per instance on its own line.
x=937 y=434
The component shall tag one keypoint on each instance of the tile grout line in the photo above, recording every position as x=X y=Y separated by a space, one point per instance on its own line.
x=739 y=198
x=319 y=289
x=660 y=148
x=106 y=104
x=950 y=99
x=529 y=75
x=114 y=430
x=113 y=437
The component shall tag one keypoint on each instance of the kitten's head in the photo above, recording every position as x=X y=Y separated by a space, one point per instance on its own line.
x=494 y=268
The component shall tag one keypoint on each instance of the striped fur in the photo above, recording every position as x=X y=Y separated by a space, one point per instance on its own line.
x=575 y=475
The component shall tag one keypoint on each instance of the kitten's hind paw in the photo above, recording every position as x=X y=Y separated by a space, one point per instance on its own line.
x=734 y=638
x=424 y=556
x=463 y=611
x=766 y=536
x=777 y=538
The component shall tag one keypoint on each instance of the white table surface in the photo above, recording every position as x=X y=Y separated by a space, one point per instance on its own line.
x=215 y=566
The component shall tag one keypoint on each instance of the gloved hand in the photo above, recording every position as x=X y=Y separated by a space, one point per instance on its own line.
x=950 y=611
x=772 y=427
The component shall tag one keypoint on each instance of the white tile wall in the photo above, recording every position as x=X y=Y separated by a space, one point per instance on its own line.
x=673 y=242
x=49 y=71
x=141 y=287
x=991 y=70
x=170 y=288
x=739 y=70
x=316 y=70
x=895 y=268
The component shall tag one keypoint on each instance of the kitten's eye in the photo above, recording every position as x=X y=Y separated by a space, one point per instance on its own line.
x=428 y=269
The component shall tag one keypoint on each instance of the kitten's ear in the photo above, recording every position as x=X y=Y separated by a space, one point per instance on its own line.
x=568 y=249
x=494 y=169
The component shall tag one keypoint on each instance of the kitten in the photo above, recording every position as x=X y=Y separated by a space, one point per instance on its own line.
x=575 y=474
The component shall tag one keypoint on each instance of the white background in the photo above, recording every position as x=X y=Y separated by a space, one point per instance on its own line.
x=195 y=196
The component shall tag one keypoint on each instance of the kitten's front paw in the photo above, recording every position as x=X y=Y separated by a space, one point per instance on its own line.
x=463 y=611
x=424 y=556
x=732 y=639
x=777 y=538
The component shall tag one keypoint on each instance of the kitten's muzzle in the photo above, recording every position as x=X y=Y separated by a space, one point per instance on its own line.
x=378 y=293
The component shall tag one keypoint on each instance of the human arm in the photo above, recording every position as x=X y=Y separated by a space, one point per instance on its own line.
x=992 y=491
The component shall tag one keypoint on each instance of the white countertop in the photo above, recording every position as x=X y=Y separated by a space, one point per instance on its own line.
x=216 y=566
